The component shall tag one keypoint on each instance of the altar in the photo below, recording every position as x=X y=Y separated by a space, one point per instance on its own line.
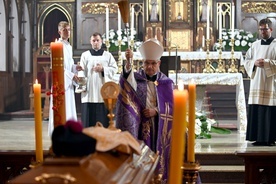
x=221 y=79
x=194 y=61
x=196 y=55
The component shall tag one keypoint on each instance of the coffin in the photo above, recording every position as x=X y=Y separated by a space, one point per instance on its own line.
x=97 y=168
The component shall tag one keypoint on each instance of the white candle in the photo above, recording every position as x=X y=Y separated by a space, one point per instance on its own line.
x=180 y=85
x=233 y=19
x=220 y=22
x=203 y=41
x=132 y=24
x=107 y=23
x=119 y=25
x=208 y=24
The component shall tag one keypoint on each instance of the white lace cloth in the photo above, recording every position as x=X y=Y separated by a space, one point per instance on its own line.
x=195 y=55
x=221 y=79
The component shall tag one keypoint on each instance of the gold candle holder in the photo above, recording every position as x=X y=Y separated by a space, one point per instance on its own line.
x=190 y=174
x=120 y=60
x=208 y=66
x=131 y=46
x=221 y=66
x=110 y=91
x=107 y=44
x=232 y=68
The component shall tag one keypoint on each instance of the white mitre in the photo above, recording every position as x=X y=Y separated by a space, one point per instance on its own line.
x=151 y=49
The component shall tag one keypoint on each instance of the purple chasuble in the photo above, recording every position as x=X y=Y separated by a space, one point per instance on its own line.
x=129 y=115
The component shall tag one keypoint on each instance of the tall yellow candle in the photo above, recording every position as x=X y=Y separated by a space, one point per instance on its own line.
x=178 y=136
x=38 y=122
x=58 y=83
x=191 y=125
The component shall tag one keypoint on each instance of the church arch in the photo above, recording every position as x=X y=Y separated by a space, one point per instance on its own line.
x=27 y=36
x=14 y=28
x=61 y=14
x=3 y=37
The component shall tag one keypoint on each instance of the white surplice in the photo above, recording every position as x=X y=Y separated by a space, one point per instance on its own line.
x=262 y=84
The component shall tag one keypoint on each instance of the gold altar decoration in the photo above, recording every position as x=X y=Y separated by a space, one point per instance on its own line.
x=120 y=59
x=107 y=44
x=232 y=68
x=208 y=67
x=182 y=38
x=98 y=8
x=190 y=174
x=221 y=65
x=258 y=7
x=180 y=11
x=110 y=91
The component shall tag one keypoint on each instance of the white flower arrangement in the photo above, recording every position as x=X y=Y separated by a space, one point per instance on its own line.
x=243 y=39
x=204 y=126
x=115 y=36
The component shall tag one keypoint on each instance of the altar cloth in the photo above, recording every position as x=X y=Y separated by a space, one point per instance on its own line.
x=221 y=79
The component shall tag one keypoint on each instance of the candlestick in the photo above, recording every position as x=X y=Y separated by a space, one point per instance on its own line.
x=58 y=83
x=233 y=19
x=178 y=136
x=38 y=122
x=232 y=68
x=132 y=24
x=221 y=65
x=191 y=125
x=208 y=24
x=107 y=22
x=119 y=25
x=208 y=67
x=220 y=22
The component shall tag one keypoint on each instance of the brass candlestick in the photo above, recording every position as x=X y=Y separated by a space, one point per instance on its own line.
x=221 y=66
x=120 y=60
x=208 y=68
x=232 y=68
x=190 y=173
x=107 y=44
x=110 y=91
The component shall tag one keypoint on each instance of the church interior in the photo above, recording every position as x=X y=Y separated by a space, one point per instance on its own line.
x=196 y=36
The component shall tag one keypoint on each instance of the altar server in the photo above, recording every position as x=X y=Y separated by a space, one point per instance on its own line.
x=70 y=75
x=99 y=66
x=260 y=65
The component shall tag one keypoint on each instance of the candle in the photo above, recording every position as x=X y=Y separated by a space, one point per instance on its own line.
x=220 y=22
x=180 y=85
x=119 y=25
x=38 y=122
x=107 y=23
x=178 y=136
x=203 y=41
x=58 y=83
x=132 y=24
x=233 y=19
x=191 y=125
x=208 y=24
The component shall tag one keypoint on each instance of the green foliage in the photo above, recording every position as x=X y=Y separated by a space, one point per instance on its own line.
x=204 y=127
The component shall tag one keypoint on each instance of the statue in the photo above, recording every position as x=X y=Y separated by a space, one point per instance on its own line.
x=203 y=10
x=154 y=11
